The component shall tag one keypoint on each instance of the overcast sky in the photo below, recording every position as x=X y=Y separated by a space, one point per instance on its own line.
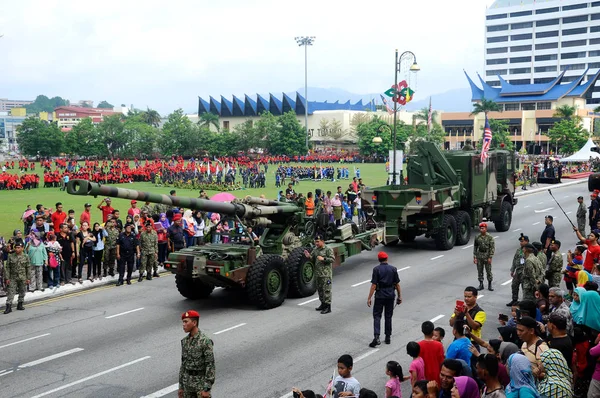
x=165 y=54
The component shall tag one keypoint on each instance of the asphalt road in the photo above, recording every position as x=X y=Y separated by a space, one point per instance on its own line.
x=125 y=341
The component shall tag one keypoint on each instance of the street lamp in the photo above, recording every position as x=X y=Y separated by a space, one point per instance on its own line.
x=305 y=41
x=413 y=68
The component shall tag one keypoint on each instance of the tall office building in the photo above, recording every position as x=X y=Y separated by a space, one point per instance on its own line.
x=534 y=41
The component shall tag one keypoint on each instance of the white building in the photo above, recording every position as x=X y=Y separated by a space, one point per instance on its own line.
x=532 y=41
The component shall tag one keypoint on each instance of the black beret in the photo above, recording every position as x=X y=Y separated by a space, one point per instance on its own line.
x=556 y=242
x=528 y=322
x=529 y=246
x=523 y=237
x=537 y=245
x=318 y=237
x=19 y=243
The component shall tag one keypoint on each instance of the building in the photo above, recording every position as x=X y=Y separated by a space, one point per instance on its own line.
x=8 y=131
x=6 y=104
x=528 y=108
x=530 y=42
x=68 y=116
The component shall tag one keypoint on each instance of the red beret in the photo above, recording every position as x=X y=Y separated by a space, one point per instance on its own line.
x=483 y=225
x=190 y=314
x=177 y=217
x=382 y=256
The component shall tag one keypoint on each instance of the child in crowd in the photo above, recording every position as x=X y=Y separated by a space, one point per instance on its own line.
x=394 y=371
x=574 y=264
x=344 y=385
x=438 y=335
x=417 y=366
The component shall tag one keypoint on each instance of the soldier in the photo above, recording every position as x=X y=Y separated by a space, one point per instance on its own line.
x=197 y=371
x=110 y=247
x=149 y=249
x=16 y=276
x=468 y=146
x=529 y=272
x=127 y=247
x=147 y=208
x=542 y=262
x=322 y=257
x=483 y=251
x=555 y=265
x=516 y=270
x=384 y=282
x=581 y=215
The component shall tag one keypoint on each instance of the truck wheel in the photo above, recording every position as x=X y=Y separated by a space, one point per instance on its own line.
x=302 y=274
x=445 y=239
x=406 y=236
x=502 y=224
x=193 y=288
x=267 y=281
x=463 y=228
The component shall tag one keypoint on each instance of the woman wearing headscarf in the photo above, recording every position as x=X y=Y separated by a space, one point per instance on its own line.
x=465 y=387
x=38 y=258
x=98 y=248
x=555 y=376
x=189 y=225
x=585 y=308
x=162 y=238
x=336 y=203
x=522 y=384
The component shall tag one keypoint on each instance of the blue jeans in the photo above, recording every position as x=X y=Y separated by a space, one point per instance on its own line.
x=53 y=276
x=189 y=241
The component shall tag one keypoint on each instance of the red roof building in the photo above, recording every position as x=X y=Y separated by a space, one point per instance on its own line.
x=69 y=116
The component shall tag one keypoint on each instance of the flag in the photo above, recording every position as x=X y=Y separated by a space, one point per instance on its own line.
x=387 y=105
x=429 y=116
x=487 y=140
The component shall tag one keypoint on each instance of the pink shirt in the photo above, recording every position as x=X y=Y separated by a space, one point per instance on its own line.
x=418 y=366
x=394 y=385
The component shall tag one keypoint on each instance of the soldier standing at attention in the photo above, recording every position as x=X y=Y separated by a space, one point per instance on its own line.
x=149 y=249
x=516 y=270
x=384 y=282
x=581 y=215
x=542 y=262
x=529 y=272
x=16 y=276
x=322 y=257
x=197 y=372
x=110 y=247
x=555 y=265
x=468 y=146
x=483 y=251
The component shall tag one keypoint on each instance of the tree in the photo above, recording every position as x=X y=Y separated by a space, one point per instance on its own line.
x=112 y=134
x=486 y=106
x=357 y=119
x=177 y=136
x=45 y=104
x=105 y=105
x=336 y=130
x=142 y=138
x=567 y=112
x=264 y=126
x=209 y=119
x=39 y=137
x=289 y=138
x=246 y=136
x=568 y=136
x=378 y=128
x=597 y=109
x=84 y=140
x=500 y=135
x=422 y=116
x=151 y=117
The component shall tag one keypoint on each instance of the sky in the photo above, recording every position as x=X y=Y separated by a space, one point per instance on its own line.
x=163 y=55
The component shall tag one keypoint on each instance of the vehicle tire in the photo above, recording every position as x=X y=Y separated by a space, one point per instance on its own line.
x=502 y=224
x=445 y=239
x=301 y=273
x=267 y=282
x=407 y=236
x=193 y=289
x=463 y=227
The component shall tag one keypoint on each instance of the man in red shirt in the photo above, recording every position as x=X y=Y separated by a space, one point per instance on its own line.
x=106 y=209
x=86 y=216
x=593 y=249
x=58 y=217
x=432 y=352
x=133 y=210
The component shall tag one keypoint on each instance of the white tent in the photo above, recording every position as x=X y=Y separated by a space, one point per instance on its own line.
x=584 y=154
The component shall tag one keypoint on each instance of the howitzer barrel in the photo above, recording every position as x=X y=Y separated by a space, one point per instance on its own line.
x=253 y=200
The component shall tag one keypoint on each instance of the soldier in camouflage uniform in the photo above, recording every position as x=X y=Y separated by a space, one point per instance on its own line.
x=468 y=145
x=322 y=257
x=516 y=270
x=555 y=265
x=149 y=249
x=483 y=251
x=581 y=215
x=146 y=208
x=110 y=248
x=197 y=372
x=16 y=276
x=542 y=263
x=529 y=272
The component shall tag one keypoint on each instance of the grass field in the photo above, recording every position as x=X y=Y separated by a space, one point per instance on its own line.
x=14 y=203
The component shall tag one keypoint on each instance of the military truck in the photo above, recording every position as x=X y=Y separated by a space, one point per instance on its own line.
x=447 y=194
x=268 y=271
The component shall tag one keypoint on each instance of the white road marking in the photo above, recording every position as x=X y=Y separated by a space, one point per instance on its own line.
x=363 y=356
x=569 y=212
x=436 y=257
x=517 y=230
x=361 y=283
x=437 y=318
x=403 y=269
x=507 y=282
x=309 y=301
x=7 y=373
x=124 y=313
x=480 y=296
x=539 y=203
x=22 y=341
x=90 y=377
x=536 y=223
x=288 y=395
x=50 y=358
x=543 y=210
x=167 y=390
x=496 y=237
x=564 y=197
x=466 y=247
x=228 y=329
x=526 y=206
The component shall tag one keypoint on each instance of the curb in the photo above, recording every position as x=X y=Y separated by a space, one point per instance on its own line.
x=550 y=186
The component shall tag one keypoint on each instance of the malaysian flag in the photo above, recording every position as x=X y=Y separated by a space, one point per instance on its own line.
x=487 y=140
x=429 y=116
x=387 y=105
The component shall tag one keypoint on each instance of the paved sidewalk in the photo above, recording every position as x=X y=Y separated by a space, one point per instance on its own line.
x=545 y=187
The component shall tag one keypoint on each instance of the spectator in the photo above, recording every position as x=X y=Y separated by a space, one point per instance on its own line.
x=459 y=348
x=58 y=217
x=432 y=352
x=67 y=243
x=594 y=389
x=105 y=208
x=394 y=371
x=471 y=312
x=559 y=339
x=99 y=233
x=533 y=346
x=54 y=260
x=465 y=387
x=133 y=210
x=86 y=216
x=344 y=384
x=585 y=308
x=419 y=390
x=366 y=393
x=522 y=383
x=189 y=225
x=162 y=239
x=38 y=259
x=451 y=368
x=85 y=240
x=438 y=334
x=417 y=366
x=487 y=371
x=554 y=375
x=558 y=305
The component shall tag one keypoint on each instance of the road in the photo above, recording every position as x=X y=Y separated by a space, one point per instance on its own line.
x=125 y=341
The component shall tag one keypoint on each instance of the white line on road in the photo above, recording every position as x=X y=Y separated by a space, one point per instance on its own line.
x=526 y=207
x=480 y=296
x=466 y=247
x=363 y=356
x=496 y=237
x=507 y=282
x=569 y=212
x=543 y=210
x=564 y=197
x=165 y=391
x=228 y=329
x=436 y=257
x=437 y=318
x=90 y=377
x=7 y=373
x=361 y=283
x=50 y=358
x=539 y=203
x=309 y=301
x=22 y=341
x=403 y=269
x=517 y=230
x=536 y=223
x=124 y=313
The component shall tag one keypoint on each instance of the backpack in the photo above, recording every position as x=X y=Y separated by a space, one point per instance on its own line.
x=52 y=260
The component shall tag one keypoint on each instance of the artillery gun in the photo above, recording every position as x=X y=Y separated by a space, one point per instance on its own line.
x=268 y=271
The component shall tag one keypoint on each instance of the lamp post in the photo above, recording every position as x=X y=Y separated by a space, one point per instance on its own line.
x=305 y=41
x=413 y=68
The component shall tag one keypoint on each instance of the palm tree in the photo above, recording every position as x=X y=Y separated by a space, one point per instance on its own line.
x=486 y=106
x=422 y=116
x=151 y=117
x=597 y=109
x=209 y=119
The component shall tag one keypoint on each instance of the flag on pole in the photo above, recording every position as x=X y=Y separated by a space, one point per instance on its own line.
x=487 y=140
x=387 y=105
x=429 y=117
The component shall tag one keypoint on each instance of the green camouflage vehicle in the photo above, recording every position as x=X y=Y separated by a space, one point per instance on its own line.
x=268 y=271
x=447 y=195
